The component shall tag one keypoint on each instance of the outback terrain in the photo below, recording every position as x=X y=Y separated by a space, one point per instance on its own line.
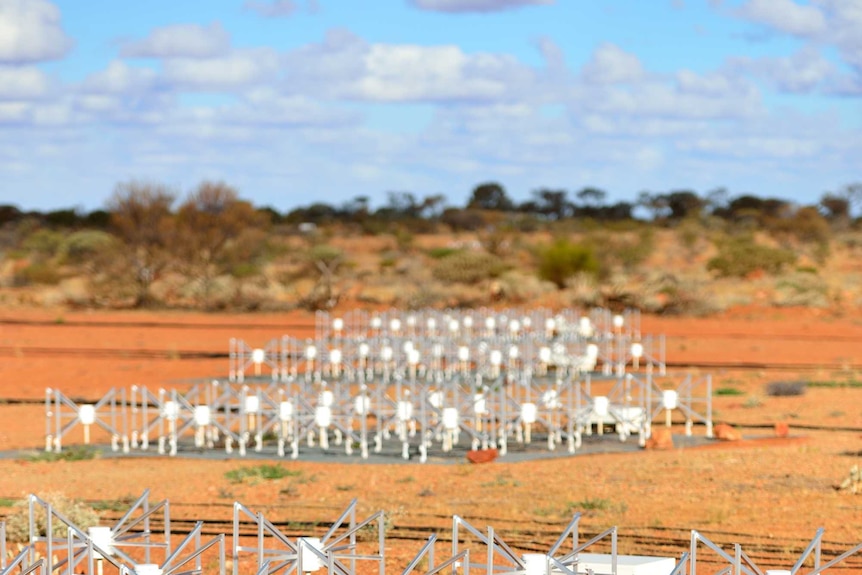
x=768 y=493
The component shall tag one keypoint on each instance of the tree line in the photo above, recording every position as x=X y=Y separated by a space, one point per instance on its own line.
x=544 y=204
x=147 y=229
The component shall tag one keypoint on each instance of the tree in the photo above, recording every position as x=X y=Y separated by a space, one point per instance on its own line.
x=837 y=207
x=400 y=205
x=210 y=224
x=593 y=197
x=141 y=218
x=656 y=204
x=684 y=203
x=591 y=203
x=490 y=196
x=851 y=194
x=432 y=206
x=553 y=203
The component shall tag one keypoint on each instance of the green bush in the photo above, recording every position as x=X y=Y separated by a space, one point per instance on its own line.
x=625 y=249
x=442 y=252
x=43 y=242
x=39 y=273
x=562 y=260
x=85 y=244
x=71 y=453
x=801 y=289
x=325 y=254
x=18 y=521
x=468 y=267
x=258 y=473
x=741 y=256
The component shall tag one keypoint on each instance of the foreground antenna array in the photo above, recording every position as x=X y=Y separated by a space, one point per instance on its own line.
x=410 y=382
x=141 y=543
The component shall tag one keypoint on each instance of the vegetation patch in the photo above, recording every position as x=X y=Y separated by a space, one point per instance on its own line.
x=785 y=388
x=741 y=257
x=76 y=511
x=469 y=267
x=258 y=473
x=72 y=453
x=836 y=384
x=563 y=260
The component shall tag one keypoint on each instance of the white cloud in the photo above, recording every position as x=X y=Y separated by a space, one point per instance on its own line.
x=476 y=5
x=828 y=22
x=279 y=8
x=268 y=107
x=345 y=66
x=120 y=78
x=805 y=71
x=401 y=73
x=31 y=31
x=22 y=83
x=237 y=70
x=180 y=41
x=845 y=29
x=273 y=9
x=716 y=85
x=14 y=112
x=610 y=64
x=660 y=100
x=786 y=16
x=757 y=146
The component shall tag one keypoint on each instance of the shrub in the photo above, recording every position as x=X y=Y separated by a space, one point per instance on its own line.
x=85 y=244
x=71 y=453
x=785 y=388
x=468 y=267
x=562 y=260
x=627 y=249
x=324 y=254
x=39 y=273
x=442 y=252
x=741 y=256
x=18 y=522
x=43 y=242
x=801 y=289
x=728 y=391
x=260 y=473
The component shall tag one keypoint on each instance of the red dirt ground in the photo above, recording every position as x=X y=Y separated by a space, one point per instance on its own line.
x=768 y=494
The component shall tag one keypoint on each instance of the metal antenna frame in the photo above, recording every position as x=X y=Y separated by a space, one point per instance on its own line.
x=687 y=399
x=337 y=548
x=518 y=565
x=130 y=531
x=55 y=416
x=242 y=356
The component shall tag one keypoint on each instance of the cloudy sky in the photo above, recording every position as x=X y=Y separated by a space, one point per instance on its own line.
x=295 y=101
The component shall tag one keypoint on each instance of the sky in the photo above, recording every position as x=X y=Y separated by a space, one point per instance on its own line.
x=300 y=101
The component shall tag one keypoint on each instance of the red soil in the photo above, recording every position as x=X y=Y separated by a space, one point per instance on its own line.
x=772 y=492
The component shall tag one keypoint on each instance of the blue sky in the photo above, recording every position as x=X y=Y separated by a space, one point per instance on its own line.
x=300 y=101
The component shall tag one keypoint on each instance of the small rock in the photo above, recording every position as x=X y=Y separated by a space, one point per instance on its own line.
x=660 y=438
x=481 y=455
x=725 y=432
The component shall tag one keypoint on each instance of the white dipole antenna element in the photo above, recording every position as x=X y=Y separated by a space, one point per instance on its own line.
x=529 y=413
x=258 y=356
x=669 y=401
x=335 y=357
x=637 y=353
x=87 y=416
x=618 y=321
